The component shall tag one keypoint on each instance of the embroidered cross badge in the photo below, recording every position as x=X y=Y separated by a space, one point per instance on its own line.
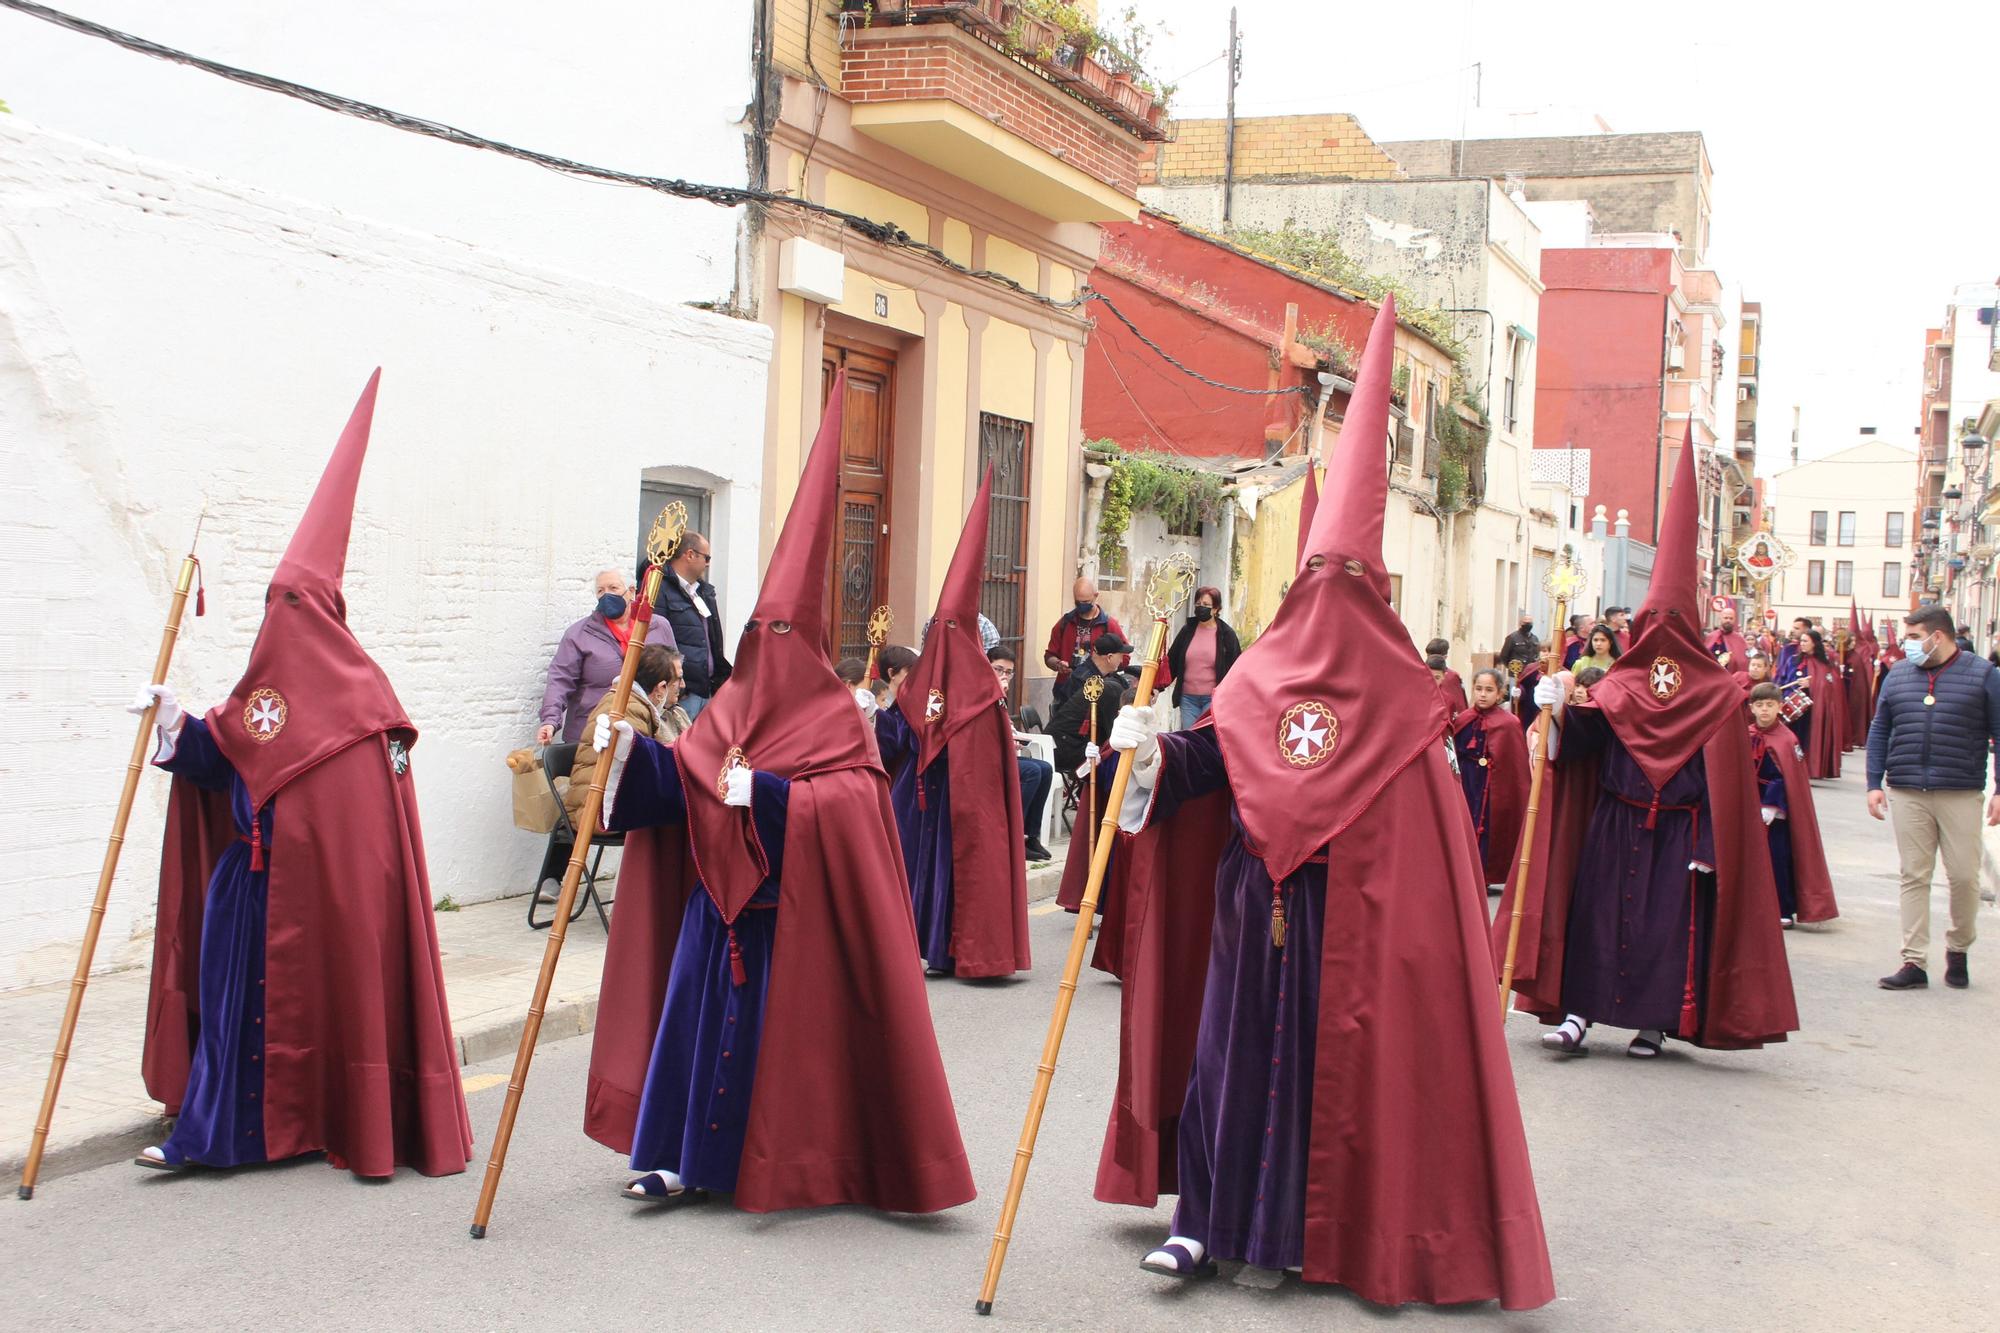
x=1664 y=679
x=1307 y=734
x=264 y=715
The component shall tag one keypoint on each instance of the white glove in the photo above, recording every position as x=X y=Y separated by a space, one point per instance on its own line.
x=739 y=782
x=1138 y=730
x=170 y=716
x=1548 y=693
x=1091 y=752
x=600 y=740
x=1770 y=813
x=1701 y=867
x=1513 y=692
x=864 y=699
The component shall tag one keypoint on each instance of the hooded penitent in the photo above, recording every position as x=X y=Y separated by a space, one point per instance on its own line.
x=960 y=824
x=317 y=977
x=1402 y=1171
x=849 y=1102
x=1859 y=665
x=1666 y=702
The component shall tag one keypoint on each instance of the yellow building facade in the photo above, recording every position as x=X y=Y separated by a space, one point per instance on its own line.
x=937 y=128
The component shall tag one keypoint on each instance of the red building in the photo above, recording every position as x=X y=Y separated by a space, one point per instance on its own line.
x=1220 y=311
x=1602 y=371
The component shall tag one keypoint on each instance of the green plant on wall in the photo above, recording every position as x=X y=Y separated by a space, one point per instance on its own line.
x=1319 y=255
x=1458 y=446
x=1151 y=483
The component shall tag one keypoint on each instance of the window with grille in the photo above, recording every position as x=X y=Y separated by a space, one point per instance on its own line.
x=1003 y=588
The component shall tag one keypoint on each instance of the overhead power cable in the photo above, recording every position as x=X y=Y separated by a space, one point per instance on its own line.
x=723 y=196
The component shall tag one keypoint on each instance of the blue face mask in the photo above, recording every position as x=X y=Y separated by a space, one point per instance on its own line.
x=611 y=606
x=1914 y=650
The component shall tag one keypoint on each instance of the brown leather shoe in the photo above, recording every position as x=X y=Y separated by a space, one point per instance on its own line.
x=1907 y=977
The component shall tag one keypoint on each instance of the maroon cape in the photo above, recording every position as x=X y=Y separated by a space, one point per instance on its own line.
x=1738 y=648
x=1812 y=882
x=955 y=707
x=1747 y=1001
x=1453 y=689
x=850 y=1103
x=1860 y=696
x=359 y=1058
x=1402 y=1155
x=1506 y=785
x=1828 y=736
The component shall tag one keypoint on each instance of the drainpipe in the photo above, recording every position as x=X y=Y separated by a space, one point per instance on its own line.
x=1660 y=434
x=1229 y=126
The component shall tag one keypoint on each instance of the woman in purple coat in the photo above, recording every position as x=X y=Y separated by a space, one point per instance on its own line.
x=587 y=660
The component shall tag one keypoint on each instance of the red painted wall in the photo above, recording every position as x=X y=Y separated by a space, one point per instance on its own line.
x=1598 y=372
x=1218 y=312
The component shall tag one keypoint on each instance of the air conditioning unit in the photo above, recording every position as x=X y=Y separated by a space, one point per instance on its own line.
x=1676 y=358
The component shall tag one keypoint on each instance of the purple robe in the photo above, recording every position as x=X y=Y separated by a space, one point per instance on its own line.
x=695 y=1107
x=923 y=831
x=221 y=1122
x=1626 y=956
x=1245 y=1125
x=1469 y=744
x=1771 y=792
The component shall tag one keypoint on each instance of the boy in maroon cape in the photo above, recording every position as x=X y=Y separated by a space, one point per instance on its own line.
x=1649 y=901
x=959 y=820
x=763 y=1027
x=297 y=1000
x=1493 y=770
x=1791 y=822
x=1309 y=1051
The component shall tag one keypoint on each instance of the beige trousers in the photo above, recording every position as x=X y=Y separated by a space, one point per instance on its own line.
x=1927 y=823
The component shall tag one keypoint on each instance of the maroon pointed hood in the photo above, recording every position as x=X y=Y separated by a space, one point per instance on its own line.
x=1308 y=507
x=1331 y=702
x=952 y=682
x=310 y=690
x=782 y=710
x=1665 y=696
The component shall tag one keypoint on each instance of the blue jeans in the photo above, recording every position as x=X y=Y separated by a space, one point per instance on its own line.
x=692 y=704
x=1037 y=776
x=1192 y=707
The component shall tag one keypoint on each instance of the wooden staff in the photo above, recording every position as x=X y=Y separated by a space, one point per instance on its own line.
x=1551 y=664
x=661 y=546
x=880 y=621
x=1170 y=589
x=190 y=569
x=1093 y=690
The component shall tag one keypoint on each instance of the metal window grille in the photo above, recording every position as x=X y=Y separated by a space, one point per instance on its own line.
x=1003 y=588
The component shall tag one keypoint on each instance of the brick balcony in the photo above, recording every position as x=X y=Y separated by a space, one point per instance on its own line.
x=948 y=98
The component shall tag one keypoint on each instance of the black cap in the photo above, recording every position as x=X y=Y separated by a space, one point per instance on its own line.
x=1108 y=643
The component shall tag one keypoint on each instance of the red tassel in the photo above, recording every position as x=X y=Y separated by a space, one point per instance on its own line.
x=1653 y=811
x=256 y=843
x=200 y=590
x=642 y=610
x=737 y=975
x=922 y=804
x=1690 y=1023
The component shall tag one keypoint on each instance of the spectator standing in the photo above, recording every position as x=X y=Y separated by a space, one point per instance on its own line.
x=1620 y=620
x=689 y=603
x=587 y=660
x=1601 y=649
x=1521 y=647
x=1201 y=655
x=1935 y=726
x=1070 y=640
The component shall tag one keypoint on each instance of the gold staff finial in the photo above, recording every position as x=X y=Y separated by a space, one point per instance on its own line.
x=663 y=543
x=1173 y=584
x=880 y=621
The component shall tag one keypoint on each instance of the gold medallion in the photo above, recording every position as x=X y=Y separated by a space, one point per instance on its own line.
x=1929 y=700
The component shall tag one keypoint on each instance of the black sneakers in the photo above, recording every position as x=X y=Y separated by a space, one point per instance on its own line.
x=1907 y=977
x=1955 y=974
x=1037 y=852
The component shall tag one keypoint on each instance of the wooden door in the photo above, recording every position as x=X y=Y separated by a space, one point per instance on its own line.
x=860 y=575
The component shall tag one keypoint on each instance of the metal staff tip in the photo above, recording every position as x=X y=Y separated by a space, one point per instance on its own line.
x=663 y=543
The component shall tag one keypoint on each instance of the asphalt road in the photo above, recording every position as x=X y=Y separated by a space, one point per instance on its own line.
x=1846 y=1180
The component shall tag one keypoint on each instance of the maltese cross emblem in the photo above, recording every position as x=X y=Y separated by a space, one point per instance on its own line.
x=264 y=715
x=1307 y=734
x=934 y=706
x=1665 y=678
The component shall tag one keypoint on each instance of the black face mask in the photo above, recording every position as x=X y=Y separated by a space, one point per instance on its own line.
x=1083 y=610
x=611 y=606
x=1204 y=613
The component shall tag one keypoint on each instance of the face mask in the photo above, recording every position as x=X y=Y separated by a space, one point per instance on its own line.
x=1083 y=610
x=1204 y=613
x=611 y=606
x=1914 y=650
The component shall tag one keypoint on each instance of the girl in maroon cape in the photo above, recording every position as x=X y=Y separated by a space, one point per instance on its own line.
x=1493 y=769
x=297 y=1000
x=955 y=785
x=1827 y=719
x=763 y=1027
x=1309 y=1051
x=1648 y=905
x=1791 y=823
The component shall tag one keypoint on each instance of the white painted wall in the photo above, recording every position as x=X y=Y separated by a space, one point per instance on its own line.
x=1871 y=481
x=658 y=89
x=170 y=340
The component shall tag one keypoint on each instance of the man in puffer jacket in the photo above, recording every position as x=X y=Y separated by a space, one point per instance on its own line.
x=1935 y=726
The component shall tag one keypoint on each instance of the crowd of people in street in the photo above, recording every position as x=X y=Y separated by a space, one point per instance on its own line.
x=1328 y=850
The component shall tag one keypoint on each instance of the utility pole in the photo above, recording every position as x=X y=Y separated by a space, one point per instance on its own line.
x=1229 y=123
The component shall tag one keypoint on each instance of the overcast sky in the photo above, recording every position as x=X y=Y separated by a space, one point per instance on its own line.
x=1856 y=148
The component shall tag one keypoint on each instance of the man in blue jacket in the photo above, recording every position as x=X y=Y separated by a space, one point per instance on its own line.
x=1936 y=724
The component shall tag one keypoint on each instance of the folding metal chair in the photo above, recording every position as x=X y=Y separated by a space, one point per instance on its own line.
x=557 y=760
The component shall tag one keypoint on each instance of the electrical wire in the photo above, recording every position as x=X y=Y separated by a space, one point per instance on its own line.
x=724 y=196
